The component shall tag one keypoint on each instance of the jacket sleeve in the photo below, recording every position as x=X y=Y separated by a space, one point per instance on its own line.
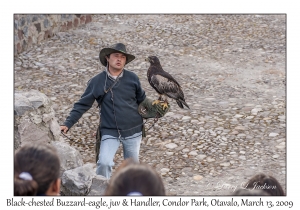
x=80 y=107
x=140 y=93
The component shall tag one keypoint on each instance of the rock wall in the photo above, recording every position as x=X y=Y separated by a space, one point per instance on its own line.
x=32 y=29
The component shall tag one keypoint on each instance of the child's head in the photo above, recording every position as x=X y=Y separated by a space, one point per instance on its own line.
x=266 y=183
x=135 y=179
x=36 y=169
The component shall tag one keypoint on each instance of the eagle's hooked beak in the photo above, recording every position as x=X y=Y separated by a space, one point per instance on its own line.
x=147 y=59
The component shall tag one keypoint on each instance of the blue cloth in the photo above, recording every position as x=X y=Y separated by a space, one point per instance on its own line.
x=127 y=94
x=109 y=147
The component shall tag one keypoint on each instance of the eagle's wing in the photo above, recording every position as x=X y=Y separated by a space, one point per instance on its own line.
x=167 y=86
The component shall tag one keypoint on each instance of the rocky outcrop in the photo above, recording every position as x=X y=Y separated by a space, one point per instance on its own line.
x=70 y=158
x=99 y=185
x=82 y=181
x=35 y=120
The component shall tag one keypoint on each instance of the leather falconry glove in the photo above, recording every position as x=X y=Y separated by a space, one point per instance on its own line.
x=149 y=110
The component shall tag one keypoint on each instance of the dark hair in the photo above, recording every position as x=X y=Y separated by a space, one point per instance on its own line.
x=41 y=162
x=266 y=183
x=108 y=55
x=250 y=192
x=135 y=177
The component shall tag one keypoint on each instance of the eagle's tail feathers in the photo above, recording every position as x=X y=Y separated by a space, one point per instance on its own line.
x=179 y=104
x=184 y=103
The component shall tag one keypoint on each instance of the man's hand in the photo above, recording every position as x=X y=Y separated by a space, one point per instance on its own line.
x=64 y=128
x=149 y=110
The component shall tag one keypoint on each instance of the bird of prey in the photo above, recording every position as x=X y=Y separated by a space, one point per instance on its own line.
x=164 y=84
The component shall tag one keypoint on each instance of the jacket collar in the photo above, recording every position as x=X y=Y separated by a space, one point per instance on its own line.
x=113 y=77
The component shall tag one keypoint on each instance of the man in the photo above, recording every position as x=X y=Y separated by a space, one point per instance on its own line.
x=119 y=94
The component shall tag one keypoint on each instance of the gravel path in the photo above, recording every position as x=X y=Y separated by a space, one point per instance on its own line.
x=232 y=72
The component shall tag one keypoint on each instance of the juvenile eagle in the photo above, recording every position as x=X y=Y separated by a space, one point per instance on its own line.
x=164 y=83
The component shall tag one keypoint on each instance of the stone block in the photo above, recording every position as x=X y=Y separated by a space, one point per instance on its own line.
x=37 y=100
x=63 y=17
x=46 y=23
x=20 y=34
x=19 y=48
x=99 y=185
x=55 y=18
x=22 y=104
x=22 y=21
x=40 y=37
x=48 y=34
x=35 y=18
x=38 y=27
x=32 y=31
x=63 y=27
x=29 y=41
x=70 y=158
x=82 y=19
x=54 y=128
x=25 y=31
x=16 y=24
x=30 y=132
x=69 y=25
x=76 y=22
x=78 y=181
x=28 y=19
x=88 y=19
x=24 y=45
x=35 y=97
x=43 y=16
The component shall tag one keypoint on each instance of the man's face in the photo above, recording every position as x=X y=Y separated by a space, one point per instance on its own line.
x=116 y=61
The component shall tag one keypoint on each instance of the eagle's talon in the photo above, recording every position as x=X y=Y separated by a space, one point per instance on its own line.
x=155 y=102
x=165 y=105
